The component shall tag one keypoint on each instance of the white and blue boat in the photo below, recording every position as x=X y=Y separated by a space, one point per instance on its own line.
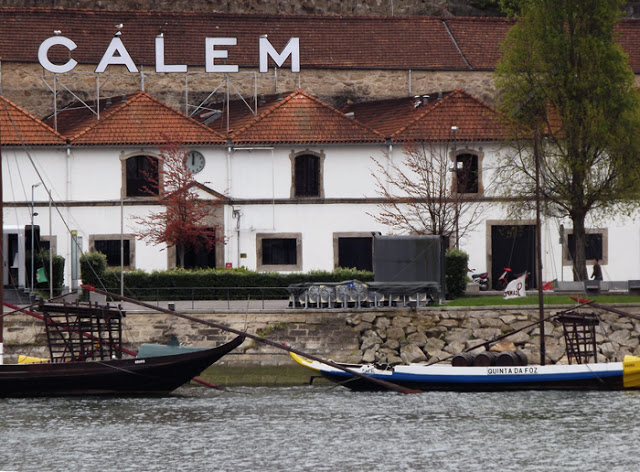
x=595 y=376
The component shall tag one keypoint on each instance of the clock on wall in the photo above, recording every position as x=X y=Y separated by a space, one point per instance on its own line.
x=194 y=161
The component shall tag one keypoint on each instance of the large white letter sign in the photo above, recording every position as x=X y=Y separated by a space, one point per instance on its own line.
x=291 y=49
x=160 y=65
x=211 y=54
x=43 y=54
x=109 y=58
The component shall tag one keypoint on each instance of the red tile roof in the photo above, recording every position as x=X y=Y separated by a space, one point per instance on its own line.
x=431 y=119
x=325 y=41
x=136 y=119
x=419 y=43
x=474 y=119
x=18 y=127
x=302 y=119
x=389 y=115
x=238 y=112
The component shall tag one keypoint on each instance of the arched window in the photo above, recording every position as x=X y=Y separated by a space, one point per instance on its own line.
x=142 y=176
x=307 y=176
x=467 y=173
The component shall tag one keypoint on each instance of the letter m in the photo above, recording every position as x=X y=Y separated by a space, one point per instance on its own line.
x=291 y=49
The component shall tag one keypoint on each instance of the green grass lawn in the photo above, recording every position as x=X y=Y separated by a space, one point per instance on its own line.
x=533 y=300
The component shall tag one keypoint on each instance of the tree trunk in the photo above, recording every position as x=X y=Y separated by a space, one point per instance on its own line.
x=579 y=254
x=181 y=252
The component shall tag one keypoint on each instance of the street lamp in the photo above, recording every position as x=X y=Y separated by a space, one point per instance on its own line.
x=33 y=213
x=457 y=187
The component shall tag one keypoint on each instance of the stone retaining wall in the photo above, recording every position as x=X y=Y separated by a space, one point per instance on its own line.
x=389 y=336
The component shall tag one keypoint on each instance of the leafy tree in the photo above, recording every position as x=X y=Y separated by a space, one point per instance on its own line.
x=185 y=220
x=419 y=195
x=563 y=78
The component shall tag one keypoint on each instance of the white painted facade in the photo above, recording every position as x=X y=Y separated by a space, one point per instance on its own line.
x=85 y=184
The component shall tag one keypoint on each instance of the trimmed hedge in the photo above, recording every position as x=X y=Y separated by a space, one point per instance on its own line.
x=206 y=284
x=456 y=262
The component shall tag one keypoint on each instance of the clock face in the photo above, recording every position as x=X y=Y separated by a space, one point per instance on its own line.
x=194 y=161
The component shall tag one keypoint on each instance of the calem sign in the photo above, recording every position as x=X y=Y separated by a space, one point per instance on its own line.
x=117 y=54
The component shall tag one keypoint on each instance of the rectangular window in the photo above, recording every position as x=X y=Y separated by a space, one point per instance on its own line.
x=109 y=245
x=593 y=246
x=279 y=252
x=596 y=246
x=355 y=253
x=111 y=249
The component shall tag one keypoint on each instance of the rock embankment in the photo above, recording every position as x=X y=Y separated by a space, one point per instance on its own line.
x=434 y=335
x=395 y=335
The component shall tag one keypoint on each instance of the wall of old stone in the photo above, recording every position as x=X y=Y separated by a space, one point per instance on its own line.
x=25 y=84
x=389 y=336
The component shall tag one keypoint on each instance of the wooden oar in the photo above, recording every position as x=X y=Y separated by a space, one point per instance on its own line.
x=382 y=383
x=17 y=309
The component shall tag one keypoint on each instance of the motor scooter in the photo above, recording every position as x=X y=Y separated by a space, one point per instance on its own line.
x=506 y=277
x=481 y=278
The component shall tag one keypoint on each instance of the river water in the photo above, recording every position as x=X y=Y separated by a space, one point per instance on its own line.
x=322 y=428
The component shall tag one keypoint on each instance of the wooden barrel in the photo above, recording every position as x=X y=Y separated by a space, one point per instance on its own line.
x=464 y=359
x=485 y=359
x=507 y=358
x=524 y=360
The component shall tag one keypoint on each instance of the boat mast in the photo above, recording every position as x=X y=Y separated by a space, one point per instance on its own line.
x=536 y=155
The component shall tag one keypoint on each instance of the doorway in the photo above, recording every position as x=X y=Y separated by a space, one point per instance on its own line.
x=513 y=246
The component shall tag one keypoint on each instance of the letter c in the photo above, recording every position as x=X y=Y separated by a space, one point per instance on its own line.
x=43 y=53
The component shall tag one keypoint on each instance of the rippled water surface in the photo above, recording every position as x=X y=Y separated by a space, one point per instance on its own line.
x=323 y=429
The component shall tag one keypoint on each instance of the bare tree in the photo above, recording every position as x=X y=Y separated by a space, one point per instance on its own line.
x=427 y=192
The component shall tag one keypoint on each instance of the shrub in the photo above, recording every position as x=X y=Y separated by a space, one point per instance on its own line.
x=211 y=284
x=92 y=268
x=457 y=262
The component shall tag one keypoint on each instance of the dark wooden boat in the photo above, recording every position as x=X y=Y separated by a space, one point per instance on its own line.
x=86 y=359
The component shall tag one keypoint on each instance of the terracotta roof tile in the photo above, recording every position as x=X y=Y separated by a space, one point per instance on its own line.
x=325 y=41
x=479 y=39
x=18 y=127
x=239 y=112
x=388 y=116
x=302 y=119
x=474 y=119
x=136 y=119
x=430 y=117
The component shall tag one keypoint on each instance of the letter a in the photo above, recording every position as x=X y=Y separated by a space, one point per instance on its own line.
x=109 y=57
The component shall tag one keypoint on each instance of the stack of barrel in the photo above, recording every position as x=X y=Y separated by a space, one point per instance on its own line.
x=489 y=358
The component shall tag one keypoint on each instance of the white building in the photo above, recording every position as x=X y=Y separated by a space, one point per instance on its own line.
x=291 y=184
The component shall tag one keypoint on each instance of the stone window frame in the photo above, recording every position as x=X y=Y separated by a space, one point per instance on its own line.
x=116 y=237
x=453 y=155
x=53 y=242
x=123 y=165
x=297 y=267
x=307 y=152
x=566 y=261
x=352 y=234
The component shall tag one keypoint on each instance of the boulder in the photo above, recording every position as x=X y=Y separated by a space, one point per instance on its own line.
x=395 y=333
x=419 y=339
x=412 y=354
x=369 y=340
x=502 y=346
x=369 y=356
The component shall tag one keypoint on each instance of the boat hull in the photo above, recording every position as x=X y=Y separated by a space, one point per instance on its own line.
x=600 y=376
x=151 y=375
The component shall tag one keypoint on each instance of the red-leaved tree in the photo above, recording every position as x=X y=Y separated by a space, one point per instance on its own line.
x=186 y=220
